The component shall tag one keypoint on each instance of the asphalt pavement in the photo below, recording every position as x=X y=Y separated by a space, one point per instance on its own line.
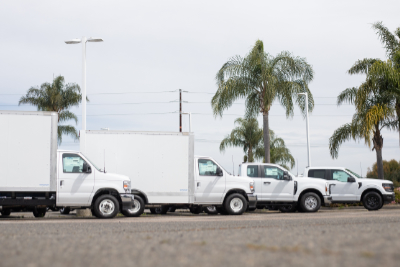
x=354 y=237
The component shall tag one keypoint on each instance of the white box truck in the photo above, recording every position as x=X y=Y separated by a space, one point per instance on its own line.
x=34 y=175
x=165 y=173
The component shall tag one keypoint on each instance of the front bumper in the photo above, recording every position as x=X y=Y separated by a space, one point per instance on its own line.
x=127 y=201
x=388 y=198
x=252 y=200
x=327 y=200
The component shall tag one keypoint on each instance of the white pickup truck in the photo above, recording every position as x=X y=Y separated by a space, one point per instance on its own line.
x=346 y=186
x=35 y=176
x=277 y=187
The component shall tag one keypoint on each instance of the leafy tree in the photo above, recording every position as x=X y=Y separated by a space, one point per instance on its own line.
x=261 y=79
x=391 y=68
x=58 y=97
x=374 y=104
x=391 y=170
x=249 y=136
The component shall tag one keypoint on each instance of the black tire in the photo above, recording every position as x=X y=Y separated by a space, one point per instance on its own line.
x=211 y=210
x=235 y=204
x=288 y=208
x=310 y=202
x=299 y=209
x=39 y=212
x=106 y=207
x=5 y=212
x=65 y=210
x=196 y=210
x=161 y=210
x=251 y=209
x=222 y=211
x=171 y=209
x=372 y=201
x=137 y=209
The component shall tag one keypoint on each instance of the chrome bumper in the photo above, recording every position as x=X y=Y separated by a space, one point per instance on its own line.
x=127 y=201
x=327 y=200
x=252 y=200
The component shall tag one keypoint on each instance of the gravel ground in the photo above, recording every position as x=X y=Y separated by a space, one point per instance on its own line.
x=327 y=238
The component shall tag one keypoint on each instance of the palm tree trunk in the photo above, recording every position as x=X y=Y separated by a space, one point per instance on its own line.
x=378 y=144
x=267 y=156
x=250 y=158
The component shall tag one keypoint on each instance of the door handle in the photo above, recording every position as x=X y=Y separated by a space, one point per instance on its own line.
x=267 y=182
x=198 y=184
x=61 y=183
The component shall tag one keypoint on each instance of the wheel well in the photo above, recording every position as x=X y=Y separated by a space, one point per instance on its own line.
x=370 y=190
x=313 y=191
x=239 y=191
x=140 y=194
x=107 y=191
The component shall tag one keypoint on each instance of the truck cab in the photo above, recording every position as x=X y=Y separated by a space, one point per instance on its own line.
x=276 y=187
x=347 y=186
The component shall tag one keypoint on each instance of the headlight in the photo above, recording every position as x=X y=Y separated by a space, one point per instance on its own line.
x=388 y=187
x=127 y=186
x=252 y=187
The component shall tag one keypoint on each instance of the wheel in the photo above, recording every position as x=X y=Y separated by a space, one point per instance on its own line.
x=196 y=210
x=106 y=206
x=5 y=212
x=310 y=202
x=288 y=208
x=235 y=204
x=212 y=210
x=251 y=209
x=39 y=212
x=372 y=201
x=137 y=209
x=160 y=210
x=299 y=209
x=171 y=209
x=65 y=210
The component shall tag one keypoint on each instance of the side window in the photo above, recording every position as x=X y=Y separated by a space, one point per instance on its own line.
x=316 y=174
x=72 y=163
x=207 y=167
x=340 y=175
x=252 y=171
x=273 y=172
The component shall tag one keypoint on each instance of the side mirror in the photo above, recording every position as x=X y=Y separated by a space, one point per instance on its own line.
x=219 y=172
x=86 y=168
x=286 y=176
x=351 y=180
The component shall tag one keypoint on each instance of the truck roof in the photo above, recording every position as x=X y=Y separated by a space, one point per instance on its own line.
x=323 y=167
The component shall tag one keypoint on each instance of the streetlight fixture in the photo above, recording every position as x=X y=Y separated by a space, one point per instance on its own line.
x=83 y=41
x=307 y=131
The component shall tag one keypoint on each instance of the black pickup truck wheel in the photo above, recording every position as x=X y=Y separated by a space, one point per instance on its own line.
x=372 y=201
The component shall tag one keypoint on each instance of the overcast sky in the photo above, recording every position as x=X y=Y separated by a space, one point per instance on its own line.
x=155 y=46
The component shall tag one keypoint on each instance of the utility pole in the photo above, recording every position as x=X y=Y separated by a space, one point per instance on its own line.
x=180 y=110
x=307 y=130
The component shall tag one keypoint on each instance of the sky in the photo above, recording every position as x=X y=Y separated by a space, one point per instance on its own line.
x=151 y=49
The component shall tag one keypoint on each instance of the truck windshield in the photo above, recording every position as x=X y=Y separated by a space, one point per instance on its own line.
x=355 y=174
x=94 y=165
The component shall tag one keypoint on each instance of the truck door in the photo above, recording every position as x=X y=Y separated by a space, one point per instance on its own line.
x=209 y=186
x=274 y=188
x=341 y=189
x=74 y=187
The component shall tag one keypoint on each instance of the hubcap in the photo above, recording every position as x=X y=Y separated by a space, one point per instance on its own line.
x=236 y=204
x=136 y=206
x=311 y=203
x=106 y=207
x=373 y=201
x=211 y=208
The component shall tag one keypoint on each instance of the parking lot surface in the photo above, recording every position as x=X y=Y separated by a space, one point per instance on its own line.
x=327 y=238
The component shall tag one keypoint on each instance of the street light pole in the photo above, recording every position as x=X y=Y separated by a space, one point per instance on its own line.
x=83 y=127
x=307 y=131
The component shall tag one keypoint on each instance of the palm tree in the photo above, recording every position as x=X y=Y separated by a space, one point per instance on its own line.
x=280 y=154
x=249 y=136
x=375 y=110
x=392 y=45
x=58 y=97
x=261 y=79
